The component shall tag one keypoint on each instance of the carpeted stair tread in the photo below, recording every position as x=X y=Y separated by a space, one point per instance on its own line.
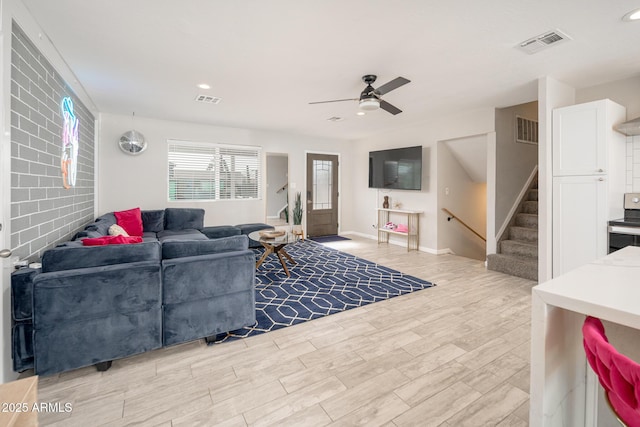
x=527 y=220
x=519 y=248
x=530 y=207
x=513 y=265
x=525 y=234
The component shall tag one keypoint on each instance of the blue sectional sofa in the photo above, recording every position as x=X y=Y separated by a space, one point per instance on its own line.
x=90 y=305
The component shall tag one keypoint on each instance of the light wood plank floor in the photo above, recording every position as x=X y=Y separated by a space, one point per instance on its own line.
x=453 y=355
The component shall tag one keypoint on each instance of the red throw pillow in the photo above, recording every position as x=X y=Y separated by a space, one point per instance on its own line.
x=111 y=240
x=131 y=221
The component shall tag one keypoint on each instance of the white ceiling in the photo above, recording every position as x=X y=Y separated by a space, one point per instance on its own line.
x=268 y=59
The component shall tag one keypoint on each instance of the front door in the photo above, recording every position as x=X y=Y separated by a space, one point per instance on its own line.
x=322 y=195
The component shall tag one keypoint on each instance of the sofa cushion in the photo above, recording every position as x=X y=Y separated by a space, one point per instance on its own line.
x=102 y=224
x=219 y=231
x=184 y=219
x=73 y=257
x=153 y=221
x=180 y=236
x=148 y=236
x=22 y=293
x=111 y=240
x=179 y=249
x=250 y=228
x=87 y=233
x=22 y=346
x=130 y=220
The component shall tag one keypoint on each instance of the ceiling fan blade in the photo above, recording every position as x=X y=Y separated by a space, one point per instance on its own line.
x=335 y=100
x=389 y=108
x=393 y=84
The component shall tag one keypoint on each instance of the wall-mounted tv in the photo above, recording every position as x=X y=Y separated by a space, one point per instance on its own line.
x=398 y=168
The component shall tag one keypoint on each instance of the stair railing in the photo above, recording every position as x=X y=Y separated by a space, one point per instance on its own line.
x=451 y=215
x=281 y=189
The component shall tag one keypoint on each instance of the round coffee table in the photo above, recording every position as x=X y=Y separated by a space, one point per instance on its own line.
x=275 y=245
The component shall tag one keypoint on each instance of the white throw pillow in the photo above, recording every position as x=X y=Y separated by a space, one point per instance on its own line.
x=116 y=230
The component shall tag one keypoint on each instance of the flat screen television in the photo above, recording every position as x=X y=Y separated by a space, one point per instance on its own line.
x=398 y=168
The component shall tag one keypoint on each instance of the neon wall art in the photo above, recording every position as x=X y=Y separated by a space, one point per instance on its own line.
x=69 y=158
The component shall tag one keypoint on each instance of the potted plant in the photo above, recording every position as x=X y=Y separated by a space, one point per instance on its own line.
x=297 y=213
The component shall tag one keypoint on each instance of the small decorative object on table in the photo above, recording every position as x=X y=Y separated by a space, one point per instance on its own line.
x=402 y=228
x=385 y=204
x=270 y=234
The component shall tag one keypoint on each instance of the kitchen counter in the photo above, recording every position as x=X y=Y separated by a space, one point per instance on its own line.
x=564 y=391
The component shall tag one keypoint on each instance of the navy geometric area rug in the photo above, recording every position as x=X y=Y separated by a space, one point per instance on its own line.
x=323 y=281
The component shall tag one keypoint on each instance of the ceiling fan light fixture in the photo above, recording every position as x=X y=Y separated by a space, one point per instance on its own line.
x=634 y=15
x=369 y=104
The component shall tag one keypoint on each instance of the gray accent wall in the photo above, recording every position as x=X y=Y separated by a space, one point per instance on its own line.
x=514 y=160
x=43 y=212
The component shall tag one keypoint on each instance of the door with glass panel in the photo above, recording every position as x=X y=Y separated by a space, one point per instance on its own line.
x=322 y=195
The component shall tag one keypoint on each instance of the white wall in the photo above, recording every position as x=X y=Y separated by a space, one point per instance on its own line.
x=276 y=172
x=360 y=213
x=551 y=94
x=130 y=181
x=467 y=200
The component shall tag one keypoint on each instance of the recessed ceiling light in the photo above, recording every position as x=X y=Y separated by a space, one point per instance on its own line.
x=204 y=86
x=634 y=15
x=361 y=113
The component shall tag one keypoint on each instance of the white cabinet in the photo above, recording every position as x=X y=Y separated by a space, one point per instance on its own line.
x=579 y=222
x=588 y=181
x=579 y=140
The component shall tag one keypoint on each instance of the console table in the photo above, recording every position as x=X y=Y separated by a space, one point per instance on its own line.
x=411 y=218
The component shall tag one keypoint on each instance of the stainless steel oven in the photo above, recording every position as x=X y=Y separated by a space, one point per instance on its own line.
x=626 y=231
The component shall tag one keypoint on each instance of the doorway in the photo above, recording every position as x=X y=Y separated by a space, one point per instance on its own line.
x=322 y=194
x=277 y=194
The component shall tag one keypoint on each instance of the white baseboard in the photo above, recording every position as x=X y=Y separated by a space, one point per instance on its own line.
x=356 y=233
x=399 y=243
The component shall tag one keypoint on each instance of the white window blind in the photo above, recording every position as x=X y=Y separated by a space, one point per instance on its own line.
x=213 y=171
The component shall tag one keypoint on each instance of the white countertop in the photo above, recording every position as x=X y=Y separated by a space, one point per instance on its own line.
x=608 y=288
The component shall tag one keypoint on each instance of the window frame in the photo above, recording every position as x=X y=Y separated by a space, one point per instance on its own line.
x=216 y=149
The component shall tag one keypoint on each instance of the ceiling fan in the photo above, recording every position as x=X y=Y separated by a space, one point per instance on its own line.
x=370 y=98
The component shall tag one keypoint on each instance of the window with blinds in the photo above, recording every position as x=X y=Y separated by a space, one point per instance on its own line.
x=213 y=171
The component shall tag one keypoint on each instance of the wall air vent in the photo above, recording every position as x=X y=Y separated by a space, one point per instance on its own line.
x=526 y=130
x=208 y=99
x=543 y=41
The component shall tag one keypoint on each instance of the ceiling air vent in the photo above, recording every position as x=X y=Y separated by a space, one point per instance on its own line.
x=208 y=99
x=543 y=41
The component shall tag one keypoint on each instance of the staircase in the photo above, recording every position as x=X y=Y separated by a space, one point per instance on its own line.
x=518 y=248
